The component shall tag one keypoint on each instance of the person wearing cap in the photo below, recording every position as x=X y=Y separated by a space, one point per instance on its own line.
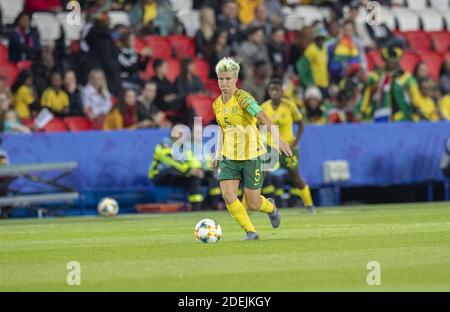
x=313 y=66
x=390 y=93
x=315 y=110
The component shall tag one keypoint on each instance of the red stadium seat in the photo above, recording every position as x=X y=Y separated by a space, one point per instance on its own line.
x=418 y=40
x=78 y=123
x=202 y=106
x=149 y=72
x=291 y=36
x=56 y=125
x=182 y=45
x=23 y=65
x=409 y=61
x=3 y=54
x=173 y=69
x=375 y=58
x=201 y=69
x=434 y=61
x=28 y=122
x=441 y=41
x=211 y=86
x=10 y=71
x=139 y=44
x=160 y=47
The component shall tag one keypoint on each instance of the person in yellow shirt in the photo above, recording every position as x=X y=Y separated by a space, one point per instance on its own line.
x=246 y=9
x=239 y=149
x=313 y=66
x=54 y=97
x=425 y=106
x=284 y=114
x=444 y=106
x=24 y=98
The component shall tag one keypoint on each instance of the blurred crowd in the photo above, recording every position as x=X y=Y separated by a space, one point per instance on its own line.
x=323 y=66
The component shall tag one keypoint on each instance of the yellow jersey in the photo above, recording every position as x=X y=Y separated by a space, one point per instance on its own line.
x=241 y=138
x=445 y=107
x=318 y=60
x=284 y=117
x=56 y=101
x=23 y=98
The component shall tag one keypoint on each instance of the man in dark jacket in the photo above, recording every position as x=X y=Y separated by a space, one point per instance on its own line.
x=103 y=52
x=24 y=40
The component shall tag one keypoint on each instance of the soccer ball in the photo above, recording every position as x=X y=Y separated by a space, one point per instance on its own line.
x=108 y=207
x=208 y=231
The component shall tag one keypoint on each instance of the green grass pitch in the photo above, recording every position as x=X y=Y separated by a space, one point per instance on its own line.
x=325 y=252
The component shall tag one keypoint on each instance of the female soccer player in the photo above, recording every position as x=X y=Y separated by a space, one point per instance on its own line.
x=284 y=113
x=239 y=149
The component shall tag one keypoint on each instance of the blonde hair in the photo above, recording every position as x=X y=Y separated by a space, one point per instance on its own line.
x=227 y=64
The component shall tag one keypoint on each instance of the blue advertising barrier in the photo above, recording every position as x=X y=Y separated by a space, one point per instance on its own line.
x=378 y=154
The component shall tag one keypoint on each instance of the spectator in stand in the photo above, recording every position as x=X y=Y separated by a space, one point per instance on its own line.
x=346 y=55
x=278 y=49
x=333 y=29
x=32 y=6
x=315 y=110
x=229 y=21
x=426 y=108
x=302 y=40
x=444 y=106
x=54 y=97
x=73 y=91
x=9 y=121
x=24 y=40
x=148 y=114
x=444 y=77
x=217 y=49
x=253 y=50
x=256 y=84
x=103 y=52
x=4 y=86
x=124 y=114
x=167 y=98
x=422 y=72
x=342 y=113
x=43 y=69
x=187 y=83
x=274 y=9
x=131 y=63
x=206 y=31
x=246 y=10
x=96 y=98
x=262 y=20
x=25 y=101
x=312 y=66
x=153 y=17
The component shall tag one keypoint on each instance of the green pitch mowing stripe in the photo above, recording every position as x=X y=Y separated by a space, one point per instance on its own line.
x=327 y=251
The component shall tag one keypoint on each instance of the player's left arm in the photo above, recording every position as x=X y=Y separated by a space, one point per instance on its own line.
x=252 y=107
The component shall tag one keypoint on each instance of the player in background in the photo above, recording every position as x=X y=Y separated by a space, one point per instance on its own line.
x=239 y=149
x=284 y=114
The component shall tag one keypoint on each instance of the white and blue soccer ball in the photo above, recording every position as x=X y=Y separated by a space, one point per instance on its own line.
x=108 y=207
x=207 y=231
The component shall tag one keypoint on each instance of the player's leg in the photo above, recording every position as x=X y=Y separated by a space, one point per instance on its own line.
x=300 y=189
x=253 y=180
x=229 y=175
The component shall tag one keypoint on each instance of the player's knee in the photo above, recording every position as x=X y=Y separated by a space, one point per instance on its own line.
x=253 y=203
x=229 y=197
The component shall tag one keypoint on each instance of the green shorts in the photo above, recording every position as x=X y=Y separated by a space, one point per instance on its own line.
x=285 y=162
x=247 y=171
